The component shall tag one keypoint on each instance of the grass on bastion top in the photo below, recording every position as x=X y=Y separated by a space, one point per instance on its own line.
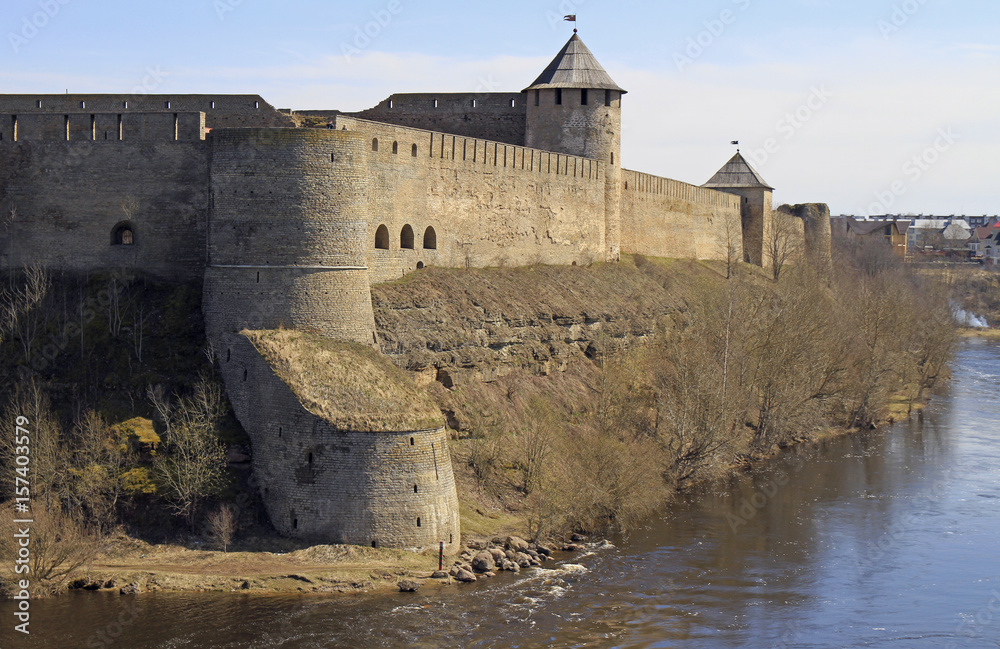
x=350 y=385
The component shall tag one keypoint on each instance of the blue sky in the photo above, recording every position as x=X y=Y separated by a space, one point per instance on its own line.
x=872 y=106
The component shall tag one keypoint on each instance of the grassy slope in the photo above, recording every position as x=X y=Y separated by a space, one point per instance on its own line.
x=350 y=385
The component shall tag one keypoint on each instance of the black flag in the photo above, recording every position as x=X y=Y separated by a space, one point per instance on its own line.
x=735 y=142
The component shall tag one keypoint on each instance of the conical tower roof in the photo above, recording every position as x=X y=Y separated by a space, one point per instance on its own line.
x=575 y=67
x=737 y=173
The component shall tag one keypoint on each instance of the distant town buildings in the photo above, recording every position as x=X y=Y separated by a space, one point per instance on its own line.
x=972 y=238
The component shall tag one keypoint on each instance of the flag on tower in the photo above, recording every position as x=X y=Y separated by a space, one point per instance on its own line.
x=571 y=18
x=735 y=142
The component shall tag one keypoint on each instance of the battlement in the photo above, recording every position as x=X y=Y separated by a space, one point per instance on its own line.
x=221 y=111
x=498 y=116
x=647 y=184
x=102 y=127
x=460 y=151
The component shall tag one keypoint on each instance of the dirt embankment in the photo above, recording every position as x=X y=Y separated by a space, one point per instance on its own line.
x=454 y=326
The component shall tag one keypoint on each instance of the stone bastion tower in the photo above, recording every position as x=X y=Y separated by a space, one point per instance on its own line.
x=343 y=449
x=575 y=107
x=739 y=178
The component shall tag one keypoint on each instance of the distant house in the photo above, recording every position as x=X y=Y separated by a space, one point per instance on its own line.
x=991 y=247
x=892 y=232
x=957 y=235
x=980 y=236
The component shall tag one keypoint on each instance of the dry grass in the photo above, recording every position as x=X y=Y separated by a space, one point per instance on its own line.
x=349 y=385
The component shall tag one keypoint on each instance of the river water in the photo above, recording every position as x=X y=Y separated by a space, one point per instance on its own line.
x=888 y=539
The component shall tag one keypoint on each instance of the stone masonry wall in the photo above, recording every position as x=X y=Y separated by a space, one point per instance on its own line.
x=489 y=204
x=497 y=116
x=286 y=242
x=221 y=111
x=335 y=486
x=69 y=197
x=127 y=127
x=667 y=218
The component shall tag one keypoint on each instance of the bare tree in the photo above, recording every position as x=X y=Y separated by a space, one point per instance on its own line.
x=48 y=454
x=222 y=525
x=730 y=241
x=784 y=242
x=18 y=313
x=59 y=546
x=193 y=464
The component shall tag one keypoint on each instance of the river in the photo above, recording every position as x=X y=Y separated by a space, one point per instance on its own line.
x=887 y=539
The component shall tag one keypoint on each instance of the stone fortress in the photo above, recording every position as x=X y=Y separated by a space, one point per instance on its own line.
x=289 y=227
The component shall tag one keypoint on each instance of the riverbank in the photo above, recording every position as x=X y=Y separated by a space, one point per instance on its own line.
x=131 y=566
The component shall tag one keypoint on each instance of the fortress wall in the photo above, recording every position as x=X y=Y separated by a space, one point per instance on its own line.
x=497 y=116
x=287 y=233
x=667 y=218
x=103 y=127
x=337 y=486
x=221 y=111
x=489 y=203
x=69 y=197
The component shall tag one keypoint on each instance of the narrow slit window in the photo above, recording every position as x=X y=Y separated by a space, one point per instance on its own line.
x=413 y=151
x=375 y=144
x=538 y=97
x=558 y=96
x=395 y=148
x=607 y=97
x=583 y=97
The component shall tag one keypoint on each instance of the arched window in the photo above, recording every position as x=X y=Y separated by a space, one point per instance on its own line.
x=382 y=238
x=123 y=234
x=406 y=238
x=413 y=151
x=375 y=144
x=430 y=239
x=395 y=148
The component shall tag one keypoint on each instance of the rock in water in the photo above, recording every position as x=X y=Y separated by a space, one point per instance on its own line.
x=484 y=562
x=409 y=586
x=465 y=576
x=131 y=589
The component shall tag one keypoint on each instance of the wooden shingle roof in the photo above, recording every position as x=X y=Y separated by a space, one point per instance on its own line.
x=737 y=173
x=575 y=67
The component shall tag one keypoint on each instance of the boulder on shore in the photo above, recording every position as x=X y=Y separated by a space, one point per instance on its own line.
x=483 y=562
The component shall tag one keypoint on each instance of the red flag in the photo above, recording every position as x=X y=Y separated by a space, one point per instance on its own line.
x=570 y=18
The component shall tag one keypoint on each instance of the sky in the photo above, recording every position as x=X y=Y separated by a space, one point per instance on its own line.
x=871 y=106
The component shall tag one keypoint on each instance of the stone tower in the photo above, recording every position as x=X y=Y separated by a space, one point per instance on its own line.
x=739 y=178
x=574 y=107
